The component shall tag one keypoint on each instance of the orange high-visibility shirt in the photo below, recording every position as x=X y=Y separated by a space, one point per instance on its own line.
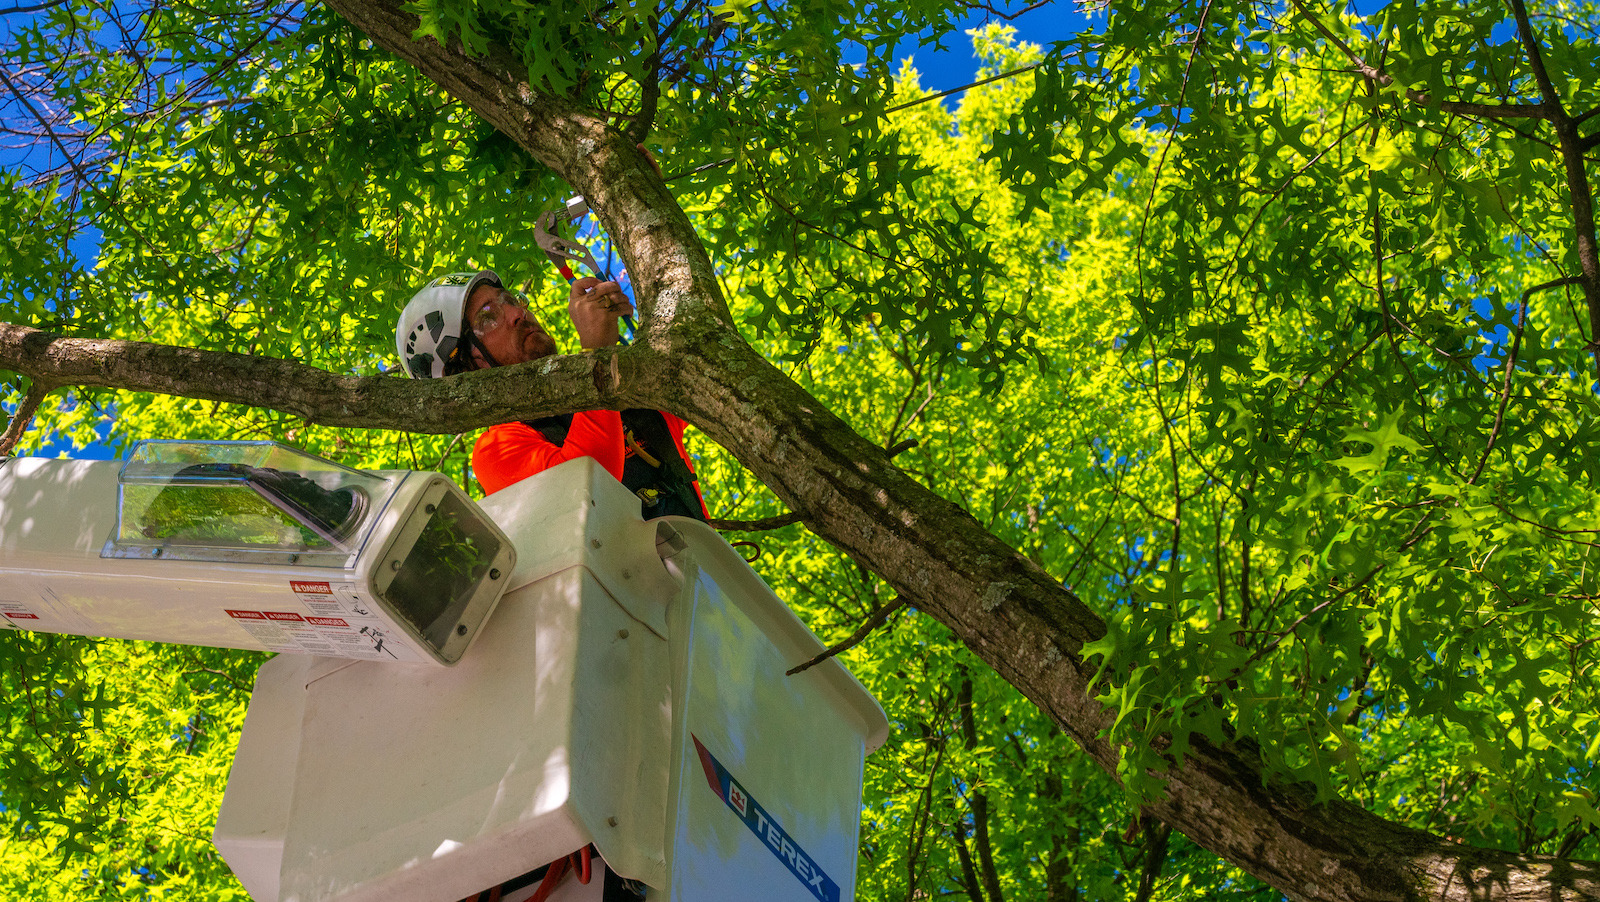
x=511 y=452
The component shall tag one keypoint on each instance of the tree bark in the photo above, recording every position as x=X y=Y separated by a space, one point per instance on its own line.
x=690 y=360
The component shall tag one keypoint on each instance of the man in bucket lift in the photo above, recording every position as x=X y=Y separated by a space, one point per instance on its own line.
x=469 y=321
x=466 y=321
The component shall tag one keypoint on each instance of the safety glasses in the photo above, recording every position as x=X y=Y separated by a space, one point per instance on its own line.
x=492 y=315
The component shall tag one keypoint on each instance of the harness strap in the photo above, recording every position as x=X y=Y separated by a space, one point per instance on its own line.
x=654 y=476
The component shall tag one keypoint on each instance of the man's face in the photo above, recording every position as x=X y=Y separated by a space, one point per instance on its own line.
x=507 y=329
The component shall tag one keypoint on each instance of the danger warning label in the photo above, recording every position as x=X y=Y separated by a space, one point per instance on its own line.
x=331 y=619
x=325 y=599
x=16 y=615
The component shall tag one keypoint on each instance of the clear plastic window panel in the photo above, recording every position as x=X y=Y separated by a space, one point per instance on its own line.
x=238 y=500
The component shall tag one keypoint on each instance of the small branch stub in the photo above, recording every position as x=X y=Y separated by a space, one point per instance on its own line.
x=872 y=623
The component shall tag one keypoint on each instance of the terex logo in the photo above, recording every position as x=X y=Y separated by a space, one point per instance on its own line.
x=766 y=828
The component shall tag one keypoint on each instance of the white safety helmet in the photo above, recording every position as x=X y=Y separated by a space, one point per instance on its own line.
x=429 y=330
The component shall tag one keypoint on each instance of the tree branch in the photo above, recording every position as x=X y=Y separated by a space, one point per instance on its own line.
x=980 y=799
x=1530 y=44
x=22 y=418
x=1511 y=365
x=969 y=872
x=1460 y=108
x=37 y=7
x=1156 y=837
x=1571 y=141
x=568 y=383
x=668 y=266
x=876 y=620
x=761 y=525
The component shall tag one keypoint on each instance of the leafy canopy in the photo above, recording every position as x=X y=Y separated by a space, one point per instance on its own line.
x=1252 y=352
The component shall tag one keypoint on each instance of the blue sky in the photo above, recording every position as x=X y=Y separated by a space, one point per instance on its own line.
x=954 y=66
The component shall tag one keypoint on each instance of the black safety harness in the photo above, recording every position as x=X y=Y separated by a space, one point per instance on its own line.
x=654 y=471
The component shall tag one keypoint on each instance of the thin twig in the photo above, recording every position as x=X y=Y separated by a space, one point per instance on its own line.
x=1418 y=533
x=73 y=162
x=921 y=100
x=1375 y=204
x=1238 y=250
x=872 y=623
x=1012 y=16
x=761 y=525
x=1511 y=365
x=32 y=9
x=447 y=449
x=226 y=677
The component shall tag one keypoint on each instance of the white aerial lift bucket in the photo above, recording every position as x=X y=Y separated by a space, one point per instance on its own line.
x=247 y=545
x=629 y=692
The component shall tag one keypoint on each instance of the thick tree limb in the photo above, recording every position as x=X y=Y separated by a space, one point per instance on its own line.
x=673 y=278
x=1012 y=614
x=445 y=407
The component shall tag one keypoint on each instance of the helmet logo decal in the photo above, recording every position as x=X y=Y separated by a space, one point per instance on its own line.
x=421 y=366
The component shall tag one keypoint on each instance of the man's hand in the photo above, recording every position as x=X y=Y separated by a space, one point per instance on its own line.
x=594 y=307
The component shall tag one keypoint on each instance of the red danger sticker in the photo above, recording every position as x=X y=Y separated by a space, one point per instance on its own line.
x=310 y=588
x=326 y=621
x=19 y=615
x=284 y=615
x=247 y=615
